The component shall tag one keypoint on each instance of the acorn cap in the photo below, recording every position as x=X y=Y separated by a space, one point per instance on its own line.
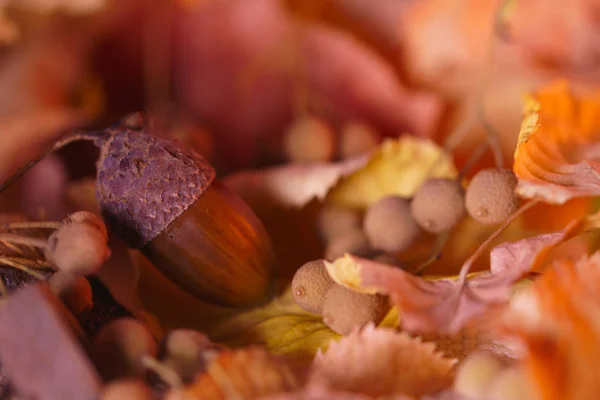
x=145 y=182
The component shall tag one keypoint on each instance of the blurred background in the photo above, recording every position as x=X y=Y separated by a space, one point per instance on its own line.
x=229 y=77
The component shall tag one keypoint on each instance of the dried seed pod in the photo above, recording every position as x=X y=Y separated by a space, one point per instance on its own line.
x=120 y=347
x=309 y=139
x=390 y=226
x=166 y=201
x=439 y=204
x=184 y=351
x=77 y=249
x=491 y=196
x=345 y=310
x=87 y=217
x=334 y=221
x=310 y=284
x=74 y=291
x=357 y=138
x=127 y=389
x=354 y=242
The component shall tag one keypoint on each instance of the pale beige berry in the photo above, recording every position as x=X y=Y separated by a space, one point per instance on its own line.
x=439 y=205
x=184 y=351
x=345 y=310
x=309 y=139
x=310 y=284
x=353 y=242
x=390 y=226
x=334 y=221
x=512 y=384
x=120 y=347
x=127 y=389
x=77 y=248
x=476 y=373
x=74 y=291
x=491 y=196
x=87 y=217
x=357 y=138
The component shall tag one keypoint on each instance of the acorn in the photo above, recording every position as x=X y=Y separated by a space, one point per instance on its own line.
x=165 y=201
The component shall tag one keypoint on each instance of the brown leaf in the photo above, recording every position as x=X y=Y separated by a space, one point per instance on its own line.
x=382 y=362
x=248 y=373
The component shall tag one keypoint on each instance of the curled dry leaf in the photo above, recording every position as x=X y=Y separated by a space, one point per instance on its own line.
x=382 y=362
x=247 y=373
x=557 y=152
x=442 y=306
x=557 y=321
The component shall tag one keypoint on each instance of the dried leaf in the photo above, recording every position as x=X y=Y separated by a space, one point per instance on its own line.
x=242 y=374
x=398 y=168
x=382 y=362
x=293 y=185
x=557 y=321
x=320 y=392
x=527 y=254
x=429 y=306
x=557 y=153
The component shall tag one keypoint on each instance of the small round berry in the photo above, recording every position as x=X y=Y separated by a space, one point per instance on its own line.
x=354 y=242
x=388 y=259
x=357 y=138
x=310 y=284
x=78 y=249
x=87 y=217
x=309 y=139
x=390 y=226
x=476 y=373
x=334 y=221
x=127 y=389
x=345 y=310
x=74 y=291
x=438 y=205
x=120 y=347
x=491 y=196
x=184 y=352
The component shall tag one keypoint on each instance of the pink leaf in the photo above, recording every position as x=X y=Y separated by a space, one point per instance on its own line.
x=293 y=185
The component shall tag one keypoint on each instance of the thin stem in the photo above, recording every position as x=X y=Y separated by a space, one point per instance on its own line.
x=32 y=225
x=435 y=255
x=166 y=373
x=475 y=156
x=17 y=239
x=11 y=263
x=65 y=140
x=464 y=271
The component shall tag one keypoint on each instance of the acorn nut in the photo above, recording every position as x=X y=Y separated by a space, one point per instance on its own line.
x=165 y=201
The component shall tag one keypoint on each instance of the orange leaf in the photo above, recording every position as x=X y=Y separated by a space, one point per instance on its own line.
x=247 y=373
x=557 y=155
x=557 y=320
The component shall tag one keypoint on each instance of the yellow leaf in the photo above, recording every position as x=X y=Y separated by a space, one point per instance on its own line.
x=398 y=168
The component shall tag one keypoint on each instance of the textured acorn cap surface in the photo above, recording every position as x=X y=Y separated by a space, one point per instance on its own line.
x=310 y=284
x=344 y=309
x=439 y=204
x=390 y=226
x=491 y=197
x=145 y=182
